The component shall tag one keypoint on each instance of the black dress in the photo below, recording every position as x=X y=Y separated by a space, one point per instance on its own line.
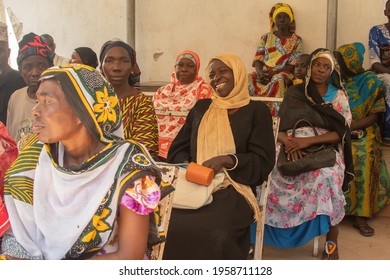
x=220 y=230
x=8 y=84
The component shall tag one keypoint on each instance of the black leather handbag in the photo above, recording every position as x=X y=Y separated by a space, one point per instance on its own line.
x=317 y=156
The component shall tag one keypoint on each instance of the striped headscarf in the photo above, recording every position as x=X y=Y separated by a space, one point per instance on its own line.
x=33 y=44
x=91 y=97
x=281 y=8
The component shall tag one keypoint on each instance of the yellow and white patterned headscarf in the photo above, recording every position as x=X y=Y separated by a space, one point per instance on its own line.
x=91 y=97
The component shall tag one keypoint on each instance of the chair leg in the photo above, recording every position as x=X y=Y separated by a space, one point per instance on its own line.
x=315 y=247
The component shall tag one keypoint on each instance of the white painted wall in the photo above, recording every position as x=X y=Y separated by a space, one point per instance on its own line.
x=170 y=26
x=73 y=23
x=355 y=19
x=211 y=27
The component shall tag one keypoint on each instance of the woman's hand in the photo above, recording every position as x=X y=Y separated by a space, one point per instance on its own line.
x=218 y=162
x=265 y=76
x=296 y=155
x=296 y=143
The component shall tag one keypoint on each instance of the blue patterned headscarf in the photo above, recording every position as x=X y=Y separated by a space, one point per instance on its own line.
x=364 y=89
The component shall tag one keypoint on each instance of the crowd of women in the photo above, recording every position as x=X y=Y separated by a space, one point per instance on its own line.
x=85 y=184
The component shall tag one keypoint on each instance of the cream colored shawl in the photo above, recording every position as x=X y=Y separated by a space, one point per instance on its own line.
x=215 y=135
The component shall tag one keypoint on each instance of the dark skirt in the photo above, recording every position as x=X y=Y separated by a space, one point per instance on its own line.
x=218 y=231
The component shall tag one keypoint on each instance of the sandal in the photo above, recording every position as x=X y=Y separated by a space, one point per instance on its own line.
x=329 y=250
x=251 y=253
x=386 y=142
x=364 y=229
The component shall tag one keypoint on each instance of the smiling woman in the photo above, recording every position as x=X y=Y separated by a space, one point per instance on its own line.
x=214 y=136
x=67 y=206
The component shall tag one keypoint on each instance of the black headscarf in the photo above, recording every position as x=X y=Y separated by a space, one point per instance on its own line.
x=88 y=56
x=305 y=102
x=136 y=73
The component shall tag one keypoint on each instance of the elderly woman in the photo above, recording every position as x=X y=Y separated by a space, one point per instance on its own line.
x=84 y=55
x=179 y=96
x=311 y=203
x=85 y=193
x=276 y=55
x=214 y=136
x=118 y=64
x=370 y=191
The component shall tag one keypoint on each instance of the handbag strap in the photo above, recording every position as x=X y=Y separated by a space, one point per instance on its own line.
x=313 y=148
x=305 y=121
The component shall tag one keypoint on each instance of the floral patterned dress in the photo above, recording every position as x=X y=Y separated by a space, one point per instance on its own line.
x=294 y=200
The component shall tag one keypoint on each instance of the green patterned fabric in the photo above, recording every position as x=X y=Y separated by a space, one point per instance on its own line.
x=370 y=191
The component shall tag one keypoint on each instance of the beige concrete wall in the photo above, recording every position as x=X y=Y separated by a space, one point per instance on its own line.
x=164 y=28
x=73 y=23
x=355 y=19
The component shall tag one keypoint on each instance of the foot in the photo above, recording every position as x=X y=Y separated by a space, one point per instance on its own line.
x=251 y=253
x=364 y=229
x=361 y=225
x=386 y=142
x=331 y=251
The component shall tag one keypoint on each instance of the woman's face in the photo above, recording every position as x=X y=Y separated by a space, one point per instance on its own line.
x=54 y=120
x=282 y=21
x=75 y=58
x=185 y=70
x=117 y=66
x=321 y=68
x=221 y=78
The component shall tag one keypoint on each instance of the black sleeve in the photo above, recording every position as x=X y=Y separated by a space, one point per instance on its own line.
x=255 y=164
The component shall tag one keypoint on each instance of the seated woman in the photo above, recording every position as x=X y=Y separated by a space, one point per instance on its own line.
x=118 y=64
x=311 y=203
x=370 y=191
x=8 y=153
x=179 y=96
x=85 y=193
x=214 y=136
x=84 y=55
x=276 y=54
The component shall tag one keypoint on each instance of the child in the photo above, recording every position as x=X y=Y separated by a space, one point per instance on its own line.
x=300 y=69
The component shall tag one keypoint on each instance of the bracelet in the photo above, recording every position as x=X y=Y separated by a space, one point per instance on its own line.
x=3 y=258
x=235 y=160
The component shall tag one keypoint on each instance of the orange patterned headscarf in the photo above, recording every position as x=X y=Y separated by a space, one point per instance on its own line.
x=191 y=55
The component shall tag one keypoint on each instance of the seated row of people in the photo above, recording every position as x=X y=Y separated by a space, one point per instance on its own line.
x=203 y=137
